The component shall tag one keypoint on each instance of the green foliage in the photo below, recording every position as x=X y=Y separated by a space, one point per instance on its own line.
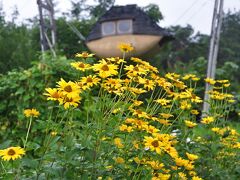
x=16 y=87
x=68 y=42
x=16 y=49
x=101 y=7
x=153 y=11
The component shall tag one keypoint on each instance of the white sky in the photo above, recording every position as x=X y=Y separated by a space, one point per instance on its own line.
x=197 y=13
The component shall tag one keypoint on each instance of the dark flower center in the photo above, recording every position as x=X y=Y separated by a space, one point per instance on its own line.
x=135 y=69
x=89 y=80
x=68 y=99
x=105 y=68
x=81 y=65
x=68 y=88
x=139 y=111
x=155 y=143
x=55 y=95
x=11 y=152
x=84 y=54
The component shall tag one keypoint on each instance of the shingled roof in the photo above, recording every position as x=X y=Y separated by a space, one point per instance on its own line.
x=142 y=23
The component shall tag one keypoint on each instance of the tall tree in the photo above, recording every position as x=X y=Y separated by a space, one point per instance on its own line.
x=101 y=7
x=153 y=11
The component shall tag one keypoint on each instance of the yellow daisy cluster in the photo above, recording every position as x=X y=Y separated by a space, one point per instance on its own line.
x=229 y=137
x=144 y=124
x=192 y=77
x=221 y=96
x=66 y=93
x=217 y=93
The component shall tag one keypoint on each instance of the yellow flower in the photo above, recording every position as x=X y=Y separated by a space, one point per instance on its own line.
x=118 y=143
x=53 y=133
x=215 y=129
x=182 y=176
x=136 y=90
x=124 y=47
x=237 y=145
x=140 y=114
x=222 y=81
x=207 y=120
x=116 y=60
x=172 y=76
x=84 y=55
x=116 y=110
x=137 y=103
x=210 y=81
x=89 y=81
x=70 y=89
x=147 y=83
x=105 y=69
x=164 y=122
x=124 y=127
x=192 y=173
x=151 y=129
x=53 y=94
x=179 y=84
x=12 y=153
x=135 y=144
x=137 y=160
x=185 y=105
x=190 y=124
x=111 y=82
x=133 y=71
x=119 y=160
x=153 y=144
x=226 y=85
x=155 y=165
x=231 y=101
x=117 y=91
x=172 y=152
x=161 y=176
x=137 y=60
x=188 y=76
x=196 y=178
x=195 y=112
x=80 y=66
x=192 y=157
x=166 y=115
x=163 y=101
x=72 y=101
x=181 y=162
x=31 y=112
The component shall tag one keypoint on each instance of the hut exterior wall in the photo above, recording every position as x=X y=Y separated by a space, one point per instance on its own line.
x=108 y=46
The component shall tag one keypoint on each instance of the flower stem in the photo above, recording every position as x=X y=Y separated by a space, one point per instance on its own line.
x=29 y=126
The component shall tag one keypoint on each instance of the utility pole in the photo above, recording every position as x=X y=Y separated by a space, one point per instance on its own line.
x=46 y=26
x=213 y=49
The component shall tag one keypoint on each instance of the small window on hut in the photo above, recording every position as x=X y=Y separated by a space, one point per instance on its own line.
x=108 y=28
x=124 y=26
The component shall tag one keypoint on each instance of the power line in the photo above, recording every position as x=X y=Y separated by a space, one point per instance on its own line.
x=186 y=11
x=196 y=12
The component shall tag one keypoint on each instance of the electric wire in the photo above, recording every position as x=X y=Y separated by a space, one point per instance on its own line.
x=196 y=12
x=186 y=11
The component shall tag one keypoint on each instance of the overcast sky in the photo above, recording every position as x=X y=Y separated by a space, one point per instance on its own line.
x=197 y=13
